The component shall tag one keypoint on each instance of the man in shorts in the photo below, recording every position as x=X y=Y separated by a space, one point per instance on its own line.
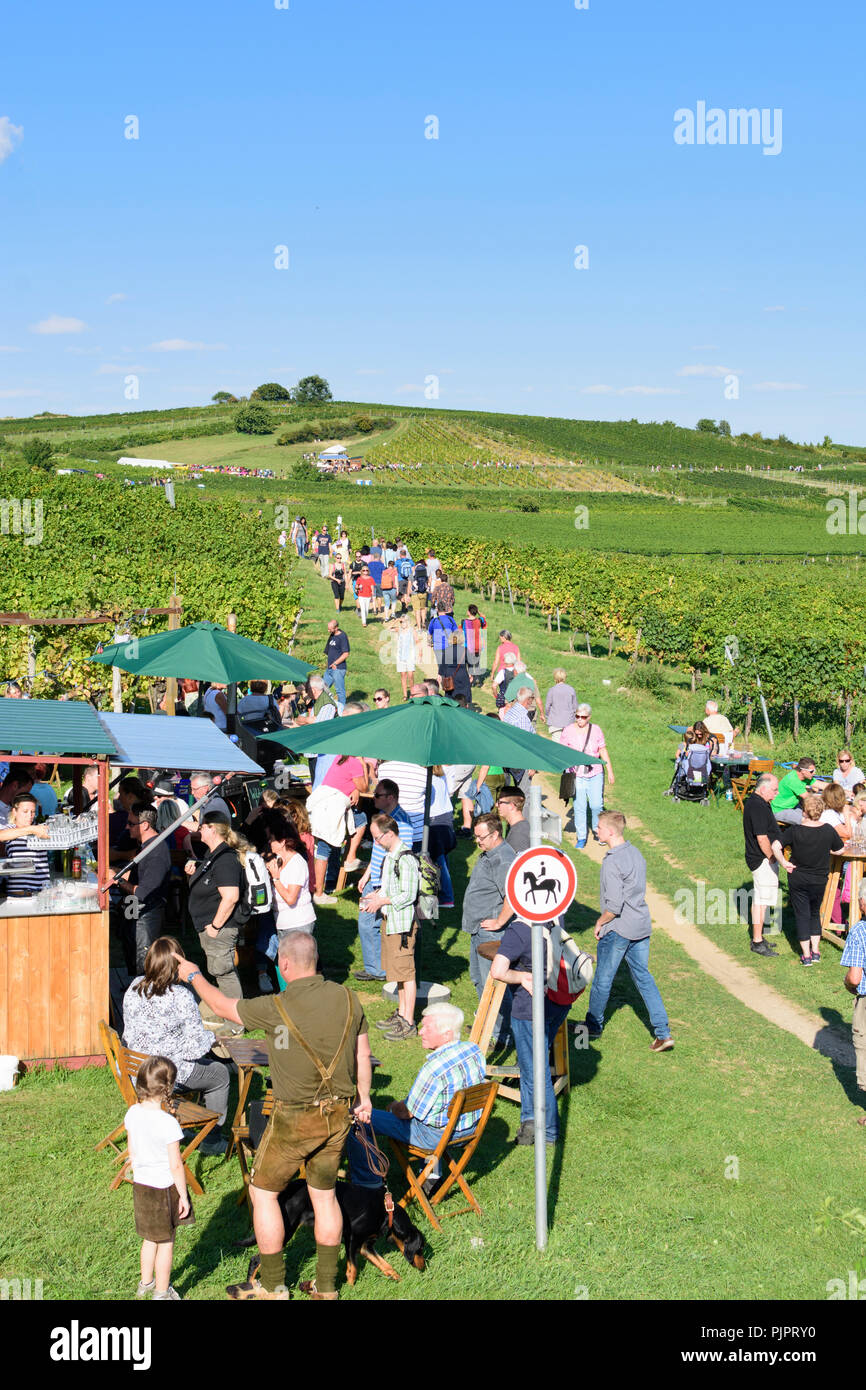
x=761 y=830
x=395 y=899
x=419 y=594
x=319 y=1055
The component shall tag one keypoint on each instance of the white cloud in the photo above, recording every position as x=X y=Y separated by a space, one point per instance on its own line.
x=10 y=136
x=649 y=391
x=182 y=345
x=57 y=324
x=778 y=386
x=705 y=347
x=116 y=369
x=596 y=390
x=10 y=349
x=774 y=308
x=11 y=394
x=116 y=298
x=704 y=369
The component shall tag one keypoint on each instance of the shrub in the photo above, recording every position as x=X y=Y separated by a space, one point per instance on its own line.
x=526 y=504
x=363 y=424
x=37 y=452
x=648 y=678
x=306 y=472
x=254 y=419
x=271 y=391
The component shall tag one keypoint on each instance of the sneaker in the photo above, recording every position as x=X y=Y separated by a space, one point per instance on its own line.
x=386 y=1023
x=816 y=956
x=761 y=948
x=265 y=986
x=251 y=1288
x=171 y=1295
x=465 y=832
x=807 y=960
x=591 y=1033
x=364 y=976
x=144 y=1289
x=401 y=1030
x=661 y=1044
x=526 y=1133
x=324 y=899
x=430 y=1185
x=581 y=844
x=352 y=866
x=445 y=906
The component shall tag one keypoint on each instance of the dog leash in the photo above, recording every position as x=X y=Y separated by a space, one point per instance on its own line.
x=377 y=1162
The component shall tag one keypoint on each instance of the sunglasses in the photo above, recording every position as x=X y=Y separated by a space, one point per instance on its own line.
x=378 y=699
x=842 y=761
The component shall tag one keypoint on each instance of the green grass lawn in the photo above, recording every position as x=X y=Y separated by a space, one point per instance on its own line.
x=697 y=1174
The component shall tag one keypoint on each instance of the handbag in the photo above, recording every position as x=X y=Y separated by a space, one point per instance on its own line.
x=566 y=786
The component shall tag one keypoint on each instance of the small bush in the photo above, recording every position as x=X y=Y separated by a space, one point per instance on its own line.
x=37 y=452
x=526 y=504
x=648 y=678
x=363 y=424
x=254 y=419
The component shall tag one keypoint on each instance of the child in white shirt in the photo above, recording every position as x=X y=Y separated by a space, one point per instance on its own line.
x=160 y=1198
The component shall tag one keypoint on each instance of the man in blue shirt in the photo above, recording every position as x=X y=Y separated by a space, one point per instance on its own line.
x=336 y=656
x=386 y=801
x=854 y=957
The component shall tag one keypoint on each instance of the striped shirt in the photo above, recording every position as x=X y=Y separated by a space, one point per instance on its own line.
x=519 y=718
x=412 y=781
x=377 y=858
x=448 y=1069
x=855 y=952
x=25 y=885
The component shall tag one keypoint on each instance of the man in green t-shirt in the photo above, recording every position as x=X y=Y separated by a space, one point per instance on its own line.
x=794 y=785
x=319 y=1054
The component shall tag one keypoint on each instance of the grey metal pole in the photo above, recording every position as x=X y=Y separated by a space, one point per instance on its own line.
x=764 y=709
x=539 y=1050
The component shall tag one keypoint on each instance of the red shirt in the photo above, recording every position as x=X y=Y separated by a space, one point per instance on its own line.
x=364 y=586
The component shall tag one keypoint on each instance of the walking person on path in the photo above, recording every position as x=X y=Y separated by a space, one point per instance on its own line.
x=336 y=655
x=623 y=931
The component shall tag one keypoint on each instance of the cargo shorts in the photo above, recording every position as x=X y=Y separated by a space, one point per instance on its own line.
x=299 y=1134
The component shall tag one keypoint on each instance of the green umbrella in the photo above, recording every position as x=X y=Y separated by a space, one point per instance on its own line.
x=428 y=730
x=203 y=652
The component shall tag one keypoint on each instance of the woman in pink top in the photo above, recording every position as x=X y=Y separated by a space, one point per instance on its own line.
x=350 y=776
x=586 y=737
x=506 y=647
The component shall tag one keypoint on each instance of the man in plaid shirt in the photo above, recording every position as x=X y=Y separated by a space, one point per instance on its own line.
x=854 y=957
x=421 y=1118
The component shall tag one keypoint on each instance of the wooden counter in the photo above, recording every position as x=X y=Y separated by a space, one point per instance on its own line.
x=53 y=984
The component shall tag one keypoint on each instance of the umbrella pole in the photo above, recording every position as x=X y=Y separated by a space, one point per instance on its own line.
x=539 y=1047
x=428 y=796
x=201 y=699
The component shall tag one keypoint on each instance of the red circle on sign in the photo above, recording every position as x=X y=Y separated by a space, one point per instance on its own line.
x=554 y=900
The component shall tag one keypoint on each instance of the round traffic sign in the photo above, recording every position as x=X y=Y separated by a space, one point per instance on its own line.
x=541 y=884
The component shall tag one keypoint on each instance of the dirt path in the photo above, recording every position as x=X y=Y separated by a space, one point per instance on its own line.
x=737 y=979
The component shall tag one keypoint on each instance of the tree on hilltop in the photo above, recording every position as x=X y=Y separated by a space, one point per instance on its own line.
x=706 y=426
x=253 y=419
x=271 y=391
x=311 y=390
x=724 y=428
x=224 y=398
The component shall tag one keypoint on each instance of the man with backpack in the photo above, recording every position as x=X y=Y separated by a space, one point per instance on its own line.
x=396 y=898
x=623 y=931
x=405 y=570
x=419 y=594
x=567 y=971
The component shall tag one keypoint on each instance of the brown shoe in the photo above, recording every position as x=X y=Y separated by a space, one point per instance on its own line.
x=308 y=1286
x=661 y=1044
x=253 y=1289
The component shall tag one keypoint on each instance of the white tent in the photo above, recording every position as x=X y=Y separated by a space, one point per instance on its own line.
x=335 y=451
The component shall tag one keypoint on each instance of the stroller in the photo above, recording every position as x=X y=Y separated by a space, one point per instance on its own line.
x=693 y=775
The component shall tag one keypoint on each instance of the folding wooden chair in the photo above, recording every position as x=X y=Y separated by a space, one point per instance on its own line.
x=508 y=1076
x=245 y=1144
x=124 y=1064
x=744 y=785
x=481 y=1097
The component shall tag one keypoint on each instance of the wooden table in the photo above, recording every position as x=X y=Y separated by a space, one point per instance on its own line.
x=248 y=1055
x=837 y=863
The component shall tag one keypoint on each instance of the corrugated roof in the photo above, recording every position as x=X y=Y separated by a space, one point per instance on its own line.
x=52 y=726
x=182 y=743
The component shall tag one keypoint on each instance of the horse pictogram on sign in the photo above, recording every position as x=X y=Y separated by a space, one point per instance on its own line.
x=541 y=884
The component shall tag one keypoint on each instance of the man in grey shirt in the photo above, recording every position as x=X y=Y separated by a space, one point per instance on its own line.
x=510 y=803
x=484 y=905
x=623 y=931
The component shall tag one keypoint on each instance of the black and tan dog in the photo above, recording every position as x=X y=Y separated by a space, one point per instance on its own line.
x=365 y=1220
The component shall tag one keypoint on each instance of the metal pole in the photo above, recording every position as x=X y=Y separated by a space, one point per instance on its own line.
x=539 y=1049
x=510 y=594
x=163 y=835
x=764 y=708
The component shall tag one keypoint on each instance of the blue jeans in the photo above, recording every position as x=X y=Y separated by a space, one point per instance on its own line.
x=369 y=924
x=266 y=940
x=389 y=597
x=588 y=791
x=390 y=1126
x=522 y=1029
x=479 y=969
x=300 y=546
x=446 y=887
x=336 y=676
x=611 y=949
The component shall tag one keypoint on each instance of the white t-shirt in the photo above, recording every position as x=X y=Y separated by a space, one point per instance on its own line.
x=412 y=781
x=433 y=567
x=440 y=801
x=295 y=873
x=719 y=725
x=457 y=775
x=848 y=779
x=150 y=1133
x=829 y=817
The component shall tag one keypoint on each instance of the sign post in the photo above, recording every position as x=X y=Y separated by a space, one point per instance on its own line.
x=541 y=884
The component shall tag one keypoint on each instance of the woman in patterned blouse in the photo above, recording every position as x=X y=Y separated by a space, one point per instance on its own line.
x=161 y=1017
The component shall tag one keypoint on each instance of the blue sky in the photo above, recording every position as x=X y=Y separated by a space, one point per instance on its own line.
x=410 y=257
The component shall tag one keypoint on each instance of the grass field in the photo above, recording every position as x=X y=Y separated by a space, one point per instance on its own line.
x=699 y=1174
